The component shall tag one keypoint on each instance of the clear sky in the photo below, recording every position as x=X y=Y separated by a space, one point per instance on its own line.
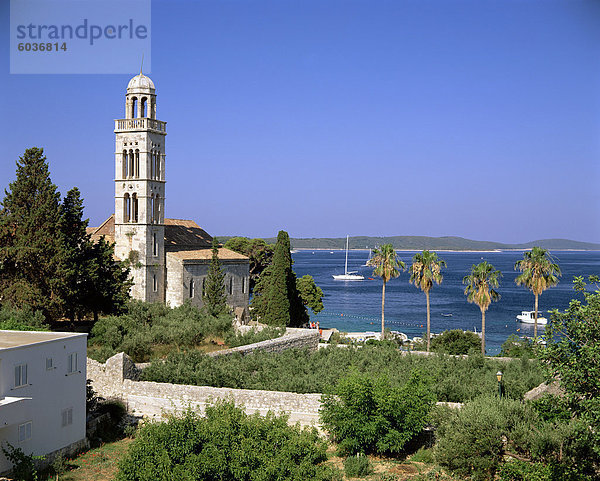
x=474 y=118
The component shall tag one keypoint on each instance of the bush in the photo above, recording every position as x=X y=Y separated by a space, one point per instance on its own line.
x=24 y=465
x=147 y=325
x=233 y=339
x=471 y=440
x=357 y=466
x=225 y=445
x=456 y=342
x=517 y=347
x=21 y=320
x=368 y=415
x=304 y=371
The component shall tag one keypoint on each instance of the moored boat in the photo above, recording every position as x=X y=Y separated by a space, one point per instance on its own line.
x=528 y=317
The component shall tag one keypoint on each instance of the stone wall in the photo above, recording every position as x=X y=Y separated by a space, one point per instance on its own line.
x=292 y=339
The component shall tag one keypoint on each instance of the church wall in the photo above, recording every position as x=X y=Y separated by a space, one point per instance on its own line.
x=174 y=292
x=181 y=273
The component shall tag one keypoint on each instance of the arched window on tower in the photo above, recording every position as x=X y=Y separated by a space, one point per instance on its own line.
x=143 y=107
x=158 y=165
x=134 y=103
x=152 y=112
x=131 y=164
x=134 y=208
x=124 y=162
x=152 y=164
x=157 y=211
x=137 y=164
x=126 y=208
x=154 y=244
x=152 y=208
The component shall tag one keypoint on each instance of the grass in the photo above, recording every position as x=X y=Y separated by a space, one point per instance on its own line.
x=415 y=467
x=98 y=464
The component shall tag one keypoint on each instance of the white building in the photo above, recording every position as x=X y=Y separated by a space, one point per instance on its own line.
x=42 y=392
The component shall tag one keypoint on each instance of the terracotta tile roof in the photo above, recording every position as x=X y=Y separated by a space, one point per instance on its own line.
x=206 y=255
x=184 y=234
x=180 y=234
x=107 y=229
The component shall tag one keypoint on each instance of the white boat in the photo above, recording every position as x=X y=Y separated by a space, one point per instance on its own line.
x=348 y=276
x=528 y=317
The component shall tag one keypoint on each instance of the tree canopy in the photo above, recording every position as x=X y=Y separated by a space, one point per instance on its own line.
x=387 y=266
x=538 y=273
x=480 y=289
x=258 y=251
x=47 y=261
x=215 y=298
x=426 y=269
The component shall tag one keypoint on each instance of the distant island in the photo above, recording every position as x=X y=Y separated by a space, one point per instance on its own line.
x=432 y=243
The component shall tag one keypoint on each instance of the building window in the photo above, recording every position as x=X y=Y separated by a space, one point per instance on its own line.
x=154 y=244
x=137 y=164
x=124 y=161
x=134 y=208
x=126 y=208
x=67 y=417
x=72 y=363
x=203 y=285
x=24 y=431
x=131 y=166
x=244 y=284
x=49 y=363
x=192 y=288
x=231 y=285
x=154 y=283
x=20 y=375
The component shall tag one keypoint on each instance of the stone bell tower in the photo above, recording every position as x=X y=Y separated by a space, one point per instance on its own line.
x=140 y=190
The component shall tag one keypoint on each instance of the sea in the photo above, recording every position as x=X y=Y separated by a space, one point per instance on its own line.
x=356 y=305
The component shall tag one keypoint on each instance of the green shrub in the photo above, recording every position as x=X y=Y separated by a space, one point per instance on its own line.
x=357 y=466
x=304 y=371
x=471 y=440
x=456 y=342
x=146 y=325
x=24 y=465
x=21 y=320
x=233 y=339
x=225 y=445
x=517 y=347
x=368 y=415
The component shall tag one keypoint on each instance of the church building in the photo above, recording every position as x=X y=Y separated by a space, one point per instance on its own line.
x=169 y=257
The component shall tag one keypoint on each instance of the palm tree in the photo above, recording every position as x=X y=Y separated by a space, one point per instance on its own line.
x=480 y=290
x=424 y=271
x=539 y=273
x=387 y=266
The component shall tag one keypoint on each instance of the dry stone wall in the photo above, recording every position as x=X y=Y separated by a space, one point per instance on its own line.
x=118 y=378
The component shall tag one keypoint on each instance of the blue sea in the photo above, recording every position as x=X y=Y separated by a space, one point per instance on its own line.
x=356 y=305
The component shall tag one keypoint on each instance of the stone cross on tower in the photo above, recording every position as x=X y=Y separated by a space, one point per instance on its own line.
x=140 y=190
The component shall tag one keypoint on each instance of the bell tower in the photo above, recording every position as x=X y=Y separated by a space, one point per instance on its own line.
x=140 y=190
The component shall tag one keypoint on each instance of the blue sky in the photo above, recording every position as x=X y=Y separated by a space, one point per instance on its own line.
x=472 y=118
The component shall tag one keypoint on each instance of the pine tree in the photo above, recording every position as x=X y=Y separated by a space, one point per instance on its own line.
x=30 y=241
x=77 y=248
x=107 y=289
x=214 y=291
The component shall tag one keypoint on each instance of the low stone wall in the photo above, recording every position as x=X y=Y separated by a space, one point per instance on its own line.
x=292 y=339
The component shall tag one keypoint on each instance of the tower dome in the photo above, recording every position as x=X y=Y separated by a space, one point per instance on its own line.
x=140 y=84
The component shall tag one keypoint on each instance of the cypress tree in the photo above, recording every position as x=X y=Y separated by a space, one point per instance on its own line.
x=277 y=309
x=30 y=241
x=214 y=291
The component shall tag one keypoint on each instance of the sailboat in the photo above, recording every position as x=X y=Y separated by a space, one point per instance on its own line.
x=348 y=276
x=366 y=264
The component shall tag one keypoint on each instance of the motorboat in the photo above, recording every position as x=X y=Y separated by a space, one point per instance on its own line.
x=528 y=317
x=348 y=275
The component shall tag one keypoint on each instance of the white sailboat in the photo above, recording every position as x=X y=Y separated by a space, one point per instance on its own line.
x=366 y=264
x=348 y=276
